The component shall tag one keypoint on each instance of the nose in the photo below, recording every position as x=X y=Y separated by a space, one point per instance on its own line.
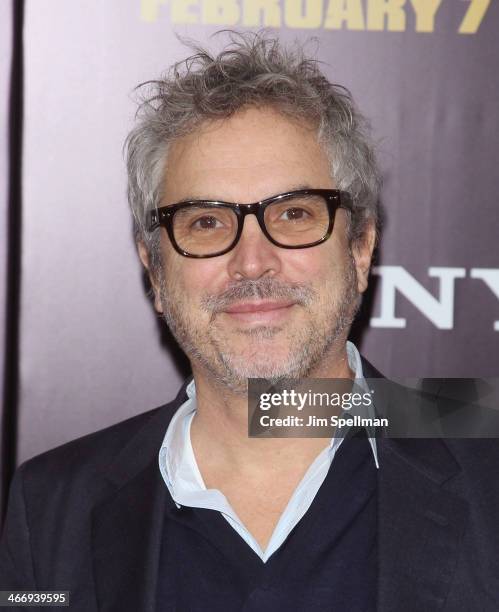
x=254 y=256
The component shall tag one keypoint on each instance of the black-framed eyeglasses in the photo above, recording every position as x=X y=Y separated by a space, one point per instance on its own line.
x=293 y=220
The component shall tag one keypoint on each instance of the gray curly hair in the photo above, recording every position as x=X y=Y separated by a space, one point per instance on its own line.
x=253 y=69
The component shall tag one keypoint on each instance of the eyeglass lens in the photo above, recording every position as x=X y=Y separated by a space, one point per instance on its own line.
x=208 y=228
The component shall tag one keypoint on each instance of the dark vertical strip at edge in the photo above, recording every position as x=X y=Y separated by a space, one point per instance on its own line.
x=13 y=264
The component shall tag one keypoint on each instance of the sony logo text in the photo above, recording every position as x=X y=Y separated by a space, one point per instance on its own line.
x=437 y=309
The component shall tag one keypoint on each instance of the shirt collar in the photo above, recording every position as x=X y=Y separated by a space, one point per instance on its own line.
x=355 y=364
x=176 y=447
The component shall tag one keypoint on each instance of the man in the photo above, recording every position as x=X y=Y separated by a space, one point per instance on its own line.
x=254 y=192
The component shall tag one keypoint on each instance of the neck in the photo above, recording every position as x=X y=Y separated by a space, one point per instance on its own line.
x=220 y=426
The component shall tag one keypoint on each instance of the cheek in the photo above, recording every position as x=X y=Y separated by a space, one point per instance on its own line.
x=192 y=278
x=325 y=262
x=304 y=269
x=200 y=278
x=315 y=266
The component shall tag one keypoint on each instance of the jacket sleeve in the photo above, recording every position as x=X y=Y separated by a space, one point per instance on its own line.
x=16 y=563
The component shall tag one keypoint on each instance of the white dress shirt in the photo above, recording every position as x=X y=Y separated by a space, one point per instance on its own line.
x=184 y=481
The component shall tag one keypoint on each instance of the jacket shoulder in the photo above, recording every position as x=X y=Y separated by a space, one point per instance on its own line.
x=93 y=447
x=81 y=460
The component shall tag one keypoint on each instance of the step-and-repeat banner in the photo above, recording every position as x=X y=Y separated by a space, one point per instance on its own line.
x=423 y=71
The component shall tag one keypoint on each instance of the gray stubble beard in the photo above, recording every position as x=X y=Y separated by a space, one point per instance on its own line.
x=308 y=349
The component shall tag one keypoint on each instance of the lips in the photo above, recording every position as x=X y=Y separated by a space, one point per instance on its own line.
x=256 y=307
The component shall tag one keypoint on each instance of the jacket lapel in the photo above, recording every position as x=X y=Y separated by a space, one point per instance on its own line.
x=420 y=524
x=127 y=524
x=421 y=520
x=126 y=536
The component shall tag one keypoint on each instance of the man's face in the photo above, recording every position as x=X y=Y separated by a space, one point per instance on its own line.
x=258 y=310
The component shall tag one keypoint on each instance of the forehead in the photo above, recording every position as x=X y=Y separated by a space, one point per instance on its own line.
x=256 y=153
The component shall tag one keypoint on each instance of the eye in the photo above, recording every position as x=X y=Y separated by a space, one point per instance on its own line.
x=294 y=214
x=207 y=222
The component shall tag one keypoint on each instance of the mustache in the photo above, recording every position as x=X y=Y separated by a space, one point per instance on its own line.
x=265 y=288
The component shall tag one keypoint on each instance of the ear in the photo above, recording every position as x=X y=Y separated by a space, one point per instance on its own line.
x=362 y=251
x=144 y=258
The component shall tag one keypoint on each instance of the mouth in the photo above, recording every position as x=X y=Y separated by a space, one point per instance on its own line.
x=260 y=312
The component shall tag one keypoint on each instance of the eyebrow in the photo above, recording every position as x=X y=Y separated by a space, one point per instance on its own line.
x=197 y=198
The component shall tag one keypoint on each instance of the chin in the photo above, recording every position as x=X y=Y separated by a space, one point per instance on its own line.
x=257 y=334
x=268 y=364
